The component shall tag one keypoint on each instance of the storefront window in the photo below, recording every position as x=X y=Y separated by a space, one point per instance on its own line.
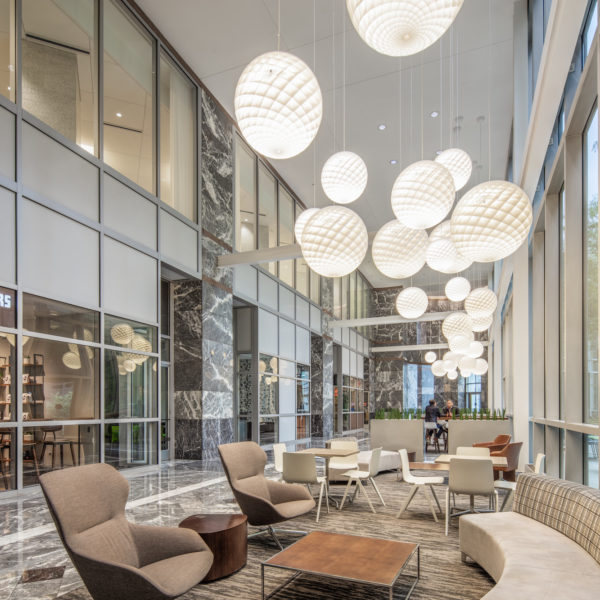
x=286 y=234
x=590 y=268
x=8 y=447
x=129 y=334
x=267 y=213
x=60 y=76
x=130 y=444
x=8 y=377
x=8 y=63
x=352 y=411
x=128 y=97
x=177 y=139
x=245 y=197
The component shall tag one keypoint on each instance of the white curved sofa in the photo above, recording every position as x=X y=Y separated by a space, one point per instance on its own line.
x=547 y=547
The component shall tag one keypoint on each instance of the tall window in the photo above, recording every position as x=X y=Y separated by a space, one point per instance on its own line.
x=177 y=139
x=590 y=268
x=60 y=79
x=286 y=234
x=245 y=198
x=267 y=213
x=128 y=97
x=562 y=299
x=8 y=66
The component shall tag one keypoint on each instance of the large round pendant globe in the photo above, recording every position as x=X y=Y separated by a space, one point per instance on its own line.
x=491 y=221
x=482 y=323
x=344 y=177
x=301 y=221
x=441 y=254
x=423 y=194
x=278 y=104
x=481 y=302
x=334 y=241
x=411 y=303
x=401 y=27
x=457 y=323
x=399 y=251
x=458 y=162
x=457 y=289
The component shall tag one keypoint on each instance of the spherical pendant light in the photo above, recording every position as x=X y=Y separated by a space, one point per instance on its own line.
x=430 y=356
x=301 y=221
x=441 y=254
x=401 y=27
x=344 y=177
x=482 y=323
x=121 y=333
x=481 y=366
x=129 y=365
x=437 y=368
x=457 y=289
x=139 y=342
x=452 y=375
x=457 y=323
x=475 y=349
x=422 y=194
x=451 y=356
x=450 y=364
x=481 y=302
x=334 y=241
x=460 y=342
x=466 y=363
x=278 y=105
x=411 y=303
x=491 y=221
x=399 y=251
x=465 y=373
x=458 y=162
x=71 y=360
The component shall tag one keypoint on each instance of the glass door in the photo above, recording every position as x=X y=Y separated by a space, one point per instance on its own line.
x=166 y=354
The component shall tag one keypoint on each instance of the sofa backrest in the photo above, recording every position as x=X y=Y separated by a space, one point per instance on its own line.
x=570 y=508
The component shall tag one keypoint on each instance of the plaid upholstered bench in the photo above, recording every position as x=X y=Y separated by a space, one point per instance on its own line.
x=548 y=547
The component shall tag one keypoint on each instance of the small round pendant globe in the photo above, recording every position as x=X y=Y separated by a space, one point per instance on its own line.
x=482 y=323
x=475 y=349
x=437 y=368
x=458 y=162
x=441 y=254
x=491 y=221
x=450 y=364
x=430 y=356
x=452 y=375
x=401 y=27
x=278 y=105
x=481 y=366
x=411 y=303
x=460 y=342
x=399 y=251
x=481 y=302
x=466 y=363
x=301 y=221
x=334 y=241
x=457 y=323
x=457 y=289
x=344 y=177
x=423 y=194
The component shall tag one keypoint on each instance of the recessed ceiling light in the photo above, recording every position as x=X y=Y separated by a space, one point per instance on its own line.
x=381 y=126
x=393 y=161
x=119 y=115
x=434 y=114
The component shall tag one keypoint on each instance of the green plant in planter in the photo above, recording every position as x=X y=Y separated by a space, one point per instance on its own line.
x=474 y=414
x=494 y=415
x=504 y=413
x=419 y=413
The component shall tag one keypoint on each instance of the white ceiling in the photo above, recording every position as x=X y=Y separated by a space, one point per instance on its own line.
x=218 y=39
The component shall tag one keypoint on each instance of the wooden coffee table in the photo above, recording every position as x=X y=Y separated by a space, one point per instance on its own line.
x=346 y=557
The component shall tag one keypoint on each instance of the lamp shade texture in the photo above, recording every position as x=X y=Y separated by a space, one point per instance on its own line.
x=437 y=368
x=441 y=254
x=458 y=162
x=430 y=356
x=457 y=323
x=481 y=366
x=457 y=289
x=278 y=104
x=122 y=333
x=482 y=323
x=475 y=349
x=481 y=302
x=491 y=221
x=344 y=177
x=452 y=375
x=459 y=343
x=422 y=194
x=334 y=241
x=412 y=302
x=401 y=27
x=399 y=251
x=301 y=221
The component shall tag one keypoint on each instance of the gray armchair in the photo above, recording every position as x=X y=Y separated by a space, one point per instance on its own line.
x=263 y=501
x=115 y=558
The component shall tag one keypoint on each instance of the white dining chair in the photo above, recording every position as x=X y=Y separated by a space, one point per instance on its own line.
x=278 y=450
x=357 y=476
x=472 y=476
x=338 y=465
x=302 y=468
x=418 y=483
x=539 y=464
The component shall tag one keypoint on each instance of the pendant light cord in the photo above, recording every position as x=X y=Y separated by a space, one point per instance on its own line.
x=333 y=69
x=278 y=25
x=489 y=90
x=343 y=81
x=441 y=111
x=314 y=71
x=422 y=127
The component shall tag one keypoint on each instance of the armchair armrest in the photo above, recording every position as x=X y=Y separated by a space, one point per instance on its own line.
x=158 y=543
x=287 y=492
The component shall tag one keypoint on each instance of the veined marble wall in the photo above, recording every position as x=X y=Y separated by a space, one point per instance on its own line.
x=322 y=418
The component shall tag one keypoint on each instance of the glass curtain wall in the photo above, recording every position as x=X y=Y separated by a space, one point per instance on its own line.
x=8 y=60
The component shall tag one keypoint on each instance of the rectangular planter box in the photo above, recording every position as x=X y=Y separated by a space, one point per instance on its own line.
x=468 y=431
x=394 y=434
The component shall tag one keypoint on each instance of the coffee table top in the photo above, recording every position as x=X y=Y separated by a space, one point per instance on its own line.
x=497 y=461
x=351 y=557
x=329 y=452
x=211 y=523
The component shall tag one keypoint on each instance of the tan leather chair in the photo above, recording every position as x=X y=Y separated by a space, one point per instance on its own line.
x=499 y=442
x=263 y=501
x=116 y=559
x=511 y=452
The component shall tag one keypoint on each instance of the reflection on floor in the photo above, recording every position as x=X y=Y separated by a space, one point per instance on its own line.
x=33 y=563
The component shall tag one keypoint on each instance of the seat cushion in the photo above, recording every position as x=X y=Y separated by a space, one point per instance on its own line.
x=295 y=508
x=528 y=559
x=176 y=575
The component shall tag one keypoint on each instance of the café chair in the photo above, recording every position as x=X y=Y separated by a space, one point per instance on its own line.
x=538 y=466
x=119 y=560
x=338 y=465
x=499 y=442
x=265 y=502
x=278 y=450
x=511 y=453
x=357 y=476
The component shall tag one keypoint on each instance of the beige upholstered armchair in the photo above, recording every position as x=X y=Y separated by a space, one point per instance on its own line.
x=115 y=558
x=263 y=501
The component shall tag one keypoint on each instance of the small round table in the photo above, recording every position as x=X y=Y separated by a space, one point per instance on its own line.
x=227 y=537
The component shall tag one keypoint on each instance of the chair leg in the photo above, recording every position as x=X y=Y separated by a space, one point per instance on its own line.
x=346 y=493
x=435 y=497
x=447 y=509
x=377 y=490
x=411 y=495
x=274 y=537
x=326 y=494
x=320 y=499
x=496 y=500
x=362 y=489
x=507 y=497
x=432 y=508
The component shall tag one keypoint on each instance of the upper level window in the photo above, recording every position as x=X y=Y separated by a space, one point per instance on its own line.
x=245 y=198
x=8 y=66
x=286 y=234
x=589 y=29
x=177 y=139
x=267 y=213
x=128 y=97
x=60 y=78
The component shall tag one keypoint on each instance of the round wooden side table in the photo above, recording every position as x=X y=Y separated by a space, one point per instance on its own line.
x=227 y=537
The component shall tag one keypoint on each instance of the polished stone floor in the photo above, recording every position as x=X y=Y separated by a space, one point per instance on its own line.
x=33 y=563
